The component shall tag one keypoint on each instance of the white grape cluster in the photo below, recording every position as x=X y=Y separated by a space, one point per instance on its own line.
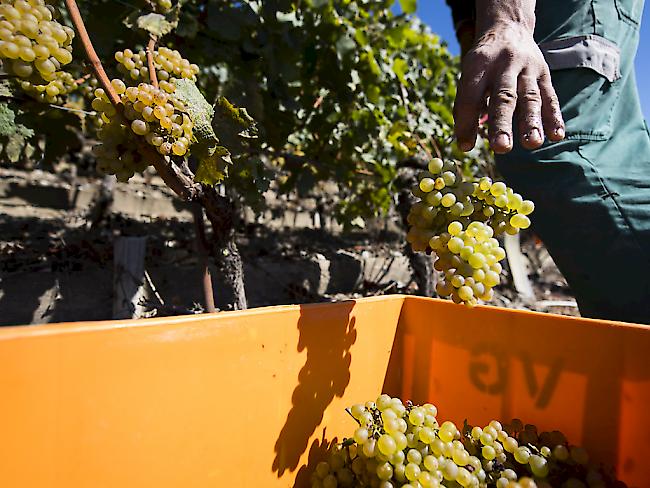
x=151 y=114
x=35 y=47
x=459 y=221
x=169 y=65
x=397 y=445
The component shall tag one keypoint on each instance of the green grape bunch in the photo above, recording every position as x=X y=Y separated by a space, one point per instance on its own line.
x=459 y=220
x=34 y=47
x=404 y=445
x=150 y=114
x=169 y=65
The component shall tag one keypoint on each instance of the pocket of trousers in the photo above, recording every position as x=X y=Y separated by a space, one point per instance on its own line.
x=586 y=76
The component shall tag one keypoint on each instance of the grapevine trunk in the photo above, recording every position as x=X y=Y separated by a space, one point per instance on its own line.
x=220 y=212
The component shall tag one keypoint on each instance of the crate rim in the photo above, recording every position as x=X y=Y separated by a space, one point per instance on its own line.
x=24 y=331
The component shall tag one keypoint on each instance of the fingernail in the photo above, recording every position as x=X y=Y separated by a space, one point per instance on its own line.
x=466 y=146
x=559 y=132
x=533 y=136
x=502 y=140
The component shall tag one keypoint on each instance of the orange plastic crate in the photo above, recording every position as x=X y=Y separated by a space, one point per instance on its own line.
x=245 y=399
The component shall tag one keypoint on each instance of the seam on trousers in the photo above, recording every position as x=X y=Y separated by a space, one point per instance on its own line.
x=625 y=16
x=610 y=194
x=587 y=136
x=619 y=90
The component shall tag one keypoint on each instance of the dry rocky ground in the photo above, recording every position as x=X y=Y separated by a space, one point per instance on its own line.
x=56 y=253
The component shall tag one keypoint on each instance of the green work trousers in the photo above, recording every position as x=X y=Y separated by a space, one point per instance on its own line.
x=592 y=190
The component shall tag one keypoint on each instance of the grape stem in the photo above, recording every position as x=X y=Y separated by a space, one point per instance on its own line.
x=82 y=79
x=350 y=414
x=151 y=46
x=96 y=64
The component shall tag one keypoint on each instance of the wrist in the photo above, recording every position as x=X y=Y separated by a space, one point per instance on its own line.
x=505 y=14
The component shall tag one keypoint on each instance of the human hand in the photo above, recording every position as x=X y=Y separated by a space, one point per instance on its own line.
x=505 y=74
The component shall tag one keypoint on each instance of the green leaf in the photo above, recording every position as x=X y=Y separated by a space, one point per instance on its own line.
x=397 y=36
x=400 y=66
x=6 y=89
x=227 y=111
x=14 y=147
x=155 y=24
x=408 y=6
x=198 y=108
x=213 y=168
x=8 y=125
x=7 y=120
x=213 y=158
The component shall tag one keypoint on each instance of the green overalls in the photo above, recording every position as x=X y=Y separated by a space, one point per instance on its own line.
x=592 y=190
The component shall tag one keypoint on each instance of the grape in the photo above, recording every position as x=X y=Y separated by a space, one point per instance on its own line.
x=448 y=200
x=361 y=435
x=412 y=471
x=522 y=454
x=386 y=445
x=427 y=185
x=526 y=207
x=488 y=452
x=435 y=165
x=385 y=471
x=520 y=221
x=140 y=127
x=539 y=466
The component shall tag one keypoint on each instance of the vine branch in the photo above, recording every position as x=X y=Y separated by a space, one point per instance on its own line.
x=151 y=46
x=96 y=64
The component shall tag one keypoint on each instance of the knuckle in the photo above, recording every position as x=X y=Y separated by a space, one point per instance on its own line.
x=530 y=96
x=505 y=96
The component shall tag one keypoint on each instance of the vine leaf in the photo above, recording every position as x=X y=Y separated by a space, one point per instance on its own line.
x=155 y=24
x=212 y=169
x=213 y=158
x=226 y=112
x=17 y=134
x=5 y=88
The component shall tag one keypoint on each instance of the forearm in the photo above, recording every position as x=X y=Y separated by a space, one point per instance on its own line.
x=494 y=12
x=464 y=15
